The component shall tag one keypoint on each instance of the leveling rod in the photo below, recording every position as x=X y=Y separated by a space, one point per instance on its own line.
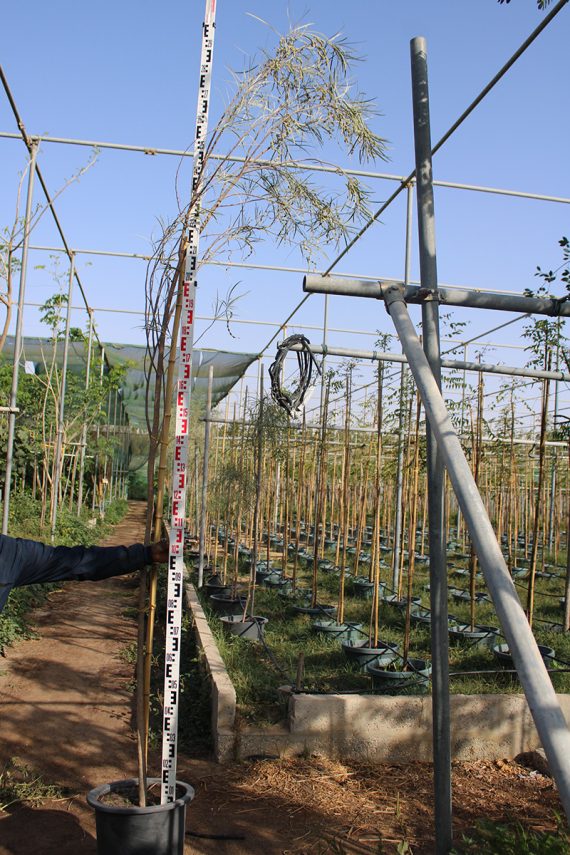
x=183 y=390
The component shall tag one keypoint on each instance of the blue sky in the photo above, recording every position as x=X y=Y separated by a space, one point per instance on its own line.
x=127 y=72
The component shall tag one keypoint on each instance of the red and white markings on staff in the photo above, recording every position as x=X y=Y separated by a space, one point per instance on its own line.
x=183 y=391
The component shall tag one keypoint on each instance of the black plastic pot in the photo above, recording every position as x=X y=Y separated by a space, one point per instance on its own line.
x=505 y=657
x=362 y=654
x=251 y=629
x=420 y=614
x=277 y=582
x=225 y=605
x=362 y=587
x=338 y=631
x=415 y=680
x=394 y=600
x=133 y=830
x=461 y=596
x=314 y=611
x=215 y=585
x=480 y=635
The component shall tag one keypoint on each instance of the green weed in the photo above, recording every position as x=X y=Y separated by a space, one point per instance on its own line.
x=19 y=783
x=489 y=838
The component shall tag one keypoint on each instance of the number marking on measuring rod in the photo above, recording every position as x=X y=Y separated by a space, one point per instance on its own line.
x=183 y=390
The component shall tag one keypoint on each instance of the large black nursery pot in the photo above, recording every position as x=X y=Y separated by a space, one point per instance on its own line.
x=363 y=587
x=339 y=631
x=228 y=605
x=505 y=657
x=251 y=629
x=215 y=585
x=414 y=680
x=363 y=654
x=132 y=830
x=479 y=634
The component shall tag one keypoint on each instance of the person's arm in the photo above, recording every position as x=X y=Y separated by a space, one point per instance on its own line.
x=38 y=562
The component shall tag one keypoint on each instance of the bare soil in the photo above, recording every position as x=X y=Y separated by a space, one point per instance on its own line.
x=66 y=711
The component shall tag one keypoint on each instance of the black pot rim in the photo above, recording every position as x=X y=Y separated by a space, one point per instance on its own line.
x=93 y=797
x=361 y=647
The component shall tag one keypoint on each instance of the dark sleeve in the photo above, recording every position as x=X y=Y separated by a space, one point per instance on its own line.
x=38 y=562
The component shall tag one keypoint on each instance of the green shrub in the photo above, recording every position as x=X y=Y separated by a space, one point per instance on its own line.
x=490 y=838
x=25 y=514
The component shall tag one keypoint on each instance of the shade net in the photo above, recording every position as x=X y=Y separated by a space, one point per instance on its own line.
x=38 y=354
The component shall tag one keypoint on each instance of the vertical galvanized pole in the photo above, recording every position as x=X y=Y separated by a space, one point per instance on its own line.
x=323 y=363
x=84 y=431
x=18 y=339
x=435 y=472
x=201 y=545
x=61 y=408
x=400 y=459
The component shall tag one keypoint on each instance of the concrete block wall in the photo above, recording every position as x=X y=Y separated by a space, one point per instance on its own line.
x=363 y=727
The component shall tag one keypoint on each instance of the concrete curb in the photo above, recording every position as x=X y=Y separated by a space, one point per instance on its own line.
x=223 y=713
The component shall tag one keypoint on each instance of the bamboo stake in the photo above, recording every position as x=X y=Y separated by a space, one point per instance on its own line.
x=298 y=504
x=375 y=564
x=477 y=445
x=345 y=504
x=362 y=515
x=287 y=507
x=250 y=600
x=319 y=492
x=541 y=458
x=412 y=530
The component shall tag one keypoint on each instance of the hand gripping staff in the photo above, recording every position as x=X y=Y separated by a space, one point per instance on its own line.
x=183 y=390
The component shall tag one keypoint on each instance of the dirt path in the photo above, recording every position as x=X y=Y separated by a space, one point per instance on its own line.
x=66 y=712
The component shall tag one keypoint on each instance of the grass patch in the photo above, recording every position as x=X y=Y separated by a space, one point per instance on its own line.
x=257 y=670
x=19 y=783
x=194 y=723
x=488 y=838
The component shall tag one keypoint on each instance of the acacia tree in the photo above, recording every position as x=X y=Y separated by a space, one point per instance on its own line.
x=288 y=103
x=541 y=4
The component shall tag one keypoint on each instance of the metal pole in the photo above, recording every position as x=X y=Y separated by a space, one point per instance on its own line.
x=84 y=431
x=201 y=545
x=467 y=298
x=435 y=473
x=323 y=370
x=61 y=409
x=455 y=365
x=537 y=685
x=291 y=164
x=18 y=340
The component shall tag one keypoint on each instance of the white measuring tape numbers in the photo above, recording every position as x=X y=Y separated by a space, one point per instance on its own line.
x=183 y=392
